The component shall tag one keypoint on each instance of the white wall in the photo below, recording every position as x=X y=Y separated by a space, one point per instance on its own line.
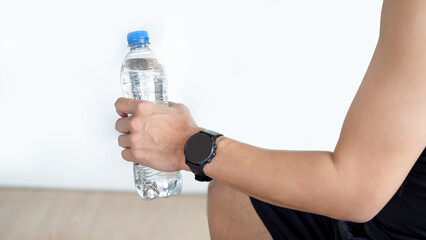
x=276 y=74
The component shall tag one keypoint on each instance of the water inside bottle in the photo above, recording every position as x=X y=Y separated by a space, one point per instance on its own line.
x=145 y=79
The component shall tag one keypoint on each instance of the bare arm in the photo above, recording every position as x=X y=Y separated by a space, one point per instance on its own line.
x=383 y=134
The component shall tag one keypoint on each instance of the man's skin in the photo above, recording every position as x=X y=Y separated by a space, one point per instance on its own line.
x=382 y=137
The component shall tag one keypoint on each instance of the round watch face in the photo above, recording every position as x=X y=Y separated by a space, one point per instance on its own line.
x=199 y=148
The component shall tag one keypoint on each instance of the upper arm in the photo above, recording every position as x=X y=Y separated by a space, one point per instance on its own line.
x=384 y=131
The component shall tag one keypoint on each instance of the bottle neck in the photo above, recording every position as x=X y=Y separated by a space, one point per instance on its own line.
x=139 y=46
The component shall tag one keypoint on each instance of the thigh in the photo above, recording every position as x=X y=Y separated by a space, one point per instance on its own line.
x=231 y=215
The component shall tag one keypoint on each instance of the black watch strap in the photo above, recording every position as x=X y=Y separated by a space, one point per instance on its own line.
x=199 y=173
x=212 y=133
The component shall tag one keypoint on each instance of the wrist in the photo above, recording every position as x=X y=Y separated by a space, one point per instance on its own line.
x=192 y=131
x=211 y=168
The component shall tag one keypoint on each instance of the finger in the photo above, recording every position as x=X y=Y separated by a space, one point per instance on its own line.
x=121 y=125
x=125 y=106
x=136 y=156
x=124 y=141
x=127 y=155
x=132 y=155
x=148 y=158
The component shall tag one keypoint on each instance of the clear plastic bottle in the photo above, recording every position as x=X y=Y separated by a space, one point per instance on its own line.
x=143 y=78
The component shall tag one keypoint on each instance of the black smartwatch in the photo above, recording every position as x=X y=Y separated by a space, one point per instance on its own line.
x=200 y=150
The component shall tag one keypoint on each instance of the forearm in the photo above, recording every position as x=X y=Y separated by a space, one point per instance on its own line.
x=302 y=180
x=381 y=137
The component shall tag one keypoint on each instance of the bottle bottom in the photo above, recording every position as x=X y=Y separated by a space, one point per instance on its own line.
x=151 y=184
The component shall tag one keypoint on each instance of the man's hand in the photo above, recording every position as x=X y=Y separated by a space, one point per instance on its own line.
x=154 y=135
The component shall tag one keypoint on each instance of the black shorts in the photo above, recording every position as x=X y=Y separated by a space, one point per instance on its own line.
x=283 y=223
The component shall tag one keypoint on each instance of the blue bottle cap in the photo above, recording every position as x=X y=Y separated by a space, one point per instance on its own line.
x=137 y=37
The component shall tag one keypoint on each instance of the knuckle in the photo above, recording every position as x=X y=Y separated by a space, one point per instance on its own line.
x=133 y=123
x=136 y=154
x=132 y=139
x=147 y=107
x=142 y=105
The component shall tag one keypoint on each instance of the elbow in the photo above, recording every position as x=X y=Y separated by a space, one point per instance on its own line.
x=351 y=210
x=358 y=206
x=359 y=198
x=361 y=216
x=363 y=210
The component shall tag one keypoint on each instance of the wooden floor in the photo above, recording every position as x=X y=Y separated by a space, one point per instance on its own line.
x=56 y=214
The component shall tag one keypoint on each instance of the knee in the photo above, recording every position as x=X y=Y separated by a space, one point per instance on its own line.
x=211 y=188
x=217 y=199
x=210 y=194
x=214 y=211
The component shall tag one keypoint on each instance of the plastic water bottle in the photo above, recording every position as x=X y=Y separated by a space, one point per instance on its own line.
x=143 y=78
